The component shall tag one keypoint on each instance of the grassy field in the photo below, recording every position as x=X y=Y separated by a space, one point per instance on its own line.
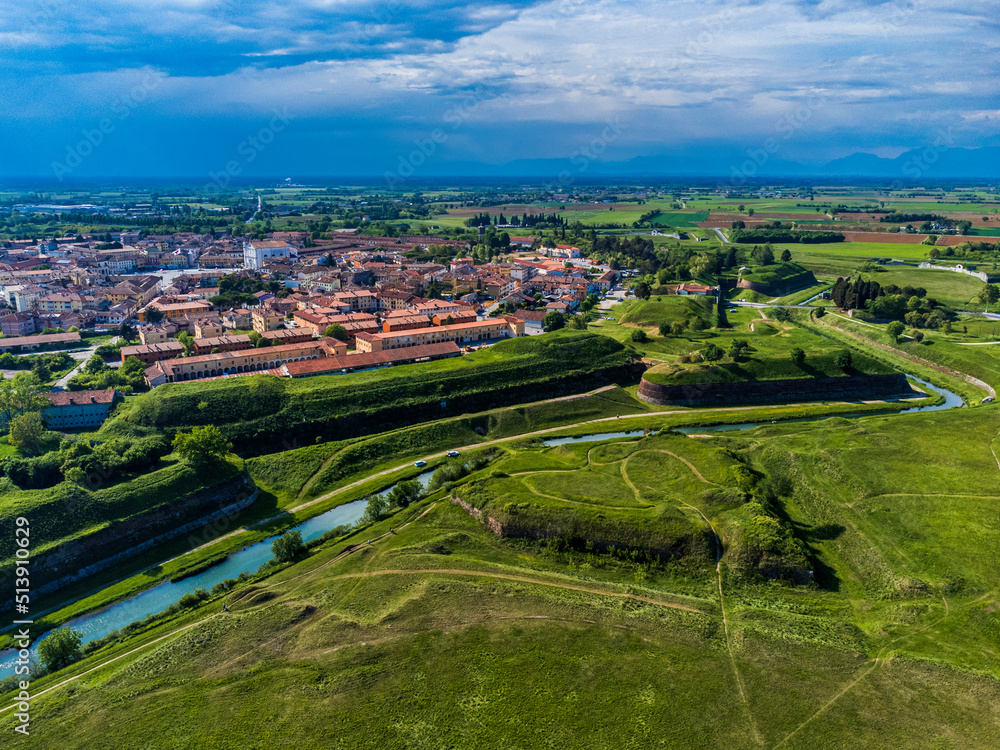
x=900 y=250
x=972 y=353
x=443 y=634
x=770 y=344
x=66 y=512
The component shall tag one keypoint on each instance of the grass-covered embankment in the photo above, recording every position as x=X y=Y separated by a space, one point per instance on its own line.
x=442 y=629
x=262 y=413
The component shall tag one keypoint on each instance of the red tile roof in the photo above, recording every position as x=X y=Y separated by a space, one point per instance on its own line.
x=81 y=398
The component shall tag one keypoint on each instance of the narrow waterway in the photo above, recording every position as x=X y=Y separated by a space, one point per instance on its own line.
x=116 y=616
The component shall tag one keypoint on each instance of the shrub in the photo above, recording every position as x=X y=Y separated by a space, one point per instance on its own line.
x=781 y=313
x=639 y=335
x=287 y=547
x=60 y=648
x=713 y=353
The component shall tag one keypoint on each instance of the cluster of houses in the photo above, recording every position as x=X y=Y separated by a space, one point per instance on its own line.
x=386 y=307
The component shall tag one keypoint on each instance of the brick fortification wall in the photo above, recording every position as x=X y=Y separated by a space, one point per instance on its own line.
x=775 y=391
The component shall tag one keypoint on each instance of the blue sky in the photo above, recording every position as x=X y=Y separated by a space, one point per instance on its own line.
x=326 y=87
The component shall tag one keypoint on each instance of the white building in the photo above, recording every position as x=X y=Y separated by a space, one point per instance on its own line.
x=255 y=251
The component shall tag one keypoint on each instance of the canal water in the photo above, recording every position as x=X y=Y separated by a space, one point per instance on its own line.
x=116 y=616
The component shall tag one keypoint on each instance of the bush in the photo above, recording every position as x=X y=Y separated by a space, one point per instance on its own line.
x=665 y=329
x=639 y=335
x=713 y=353
x=287 y=547
x=60 y=648
x=781 y=314
x=798 y=356
x=843 y=359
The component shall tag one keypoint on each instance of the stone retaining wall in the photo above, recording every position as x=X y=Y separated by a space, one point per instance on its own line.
x=80 y=558
x=861 y=387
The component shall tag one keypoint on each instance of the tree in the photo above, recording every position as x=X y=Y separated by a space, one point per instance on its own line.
x=27 y=432
x=336 y=331
x=665 y=329
x=405 y=493
x=677 y=328
x=988 y=295
x=750 y=212
x=41 y=370
x=642 y=291
x=738 y=348
x=377 y=508
x=127 y=332
x=843 y=359
x=639 y=335
x=154 y=315
x=578 y=322
x=798 y=356
x=20 y=394
x=202 y=446
x=763 y=256
x=287 y=547
x=895 y=330
x=94 y=365
x=60 y=648
x=713 y=353
x=781 y=313
x=786 y=255
x=187 y=340
x=554 y=320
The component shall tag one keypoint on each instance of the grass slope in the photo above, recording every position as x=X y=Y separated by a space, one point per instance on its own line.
x=261 y=412
x=444 y=635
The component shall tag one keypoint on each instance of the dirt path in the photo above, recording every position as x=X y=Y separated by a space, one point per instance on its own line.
x=346 y=553
x=725 y=623
x=520 y=579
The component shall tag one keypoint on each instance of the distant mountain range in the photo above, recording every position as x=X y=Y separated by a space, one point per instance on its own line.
x=739 y=166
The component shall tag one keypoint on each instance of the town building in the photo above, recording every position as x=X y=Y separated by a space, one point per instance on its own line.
x=79 y=410
x=463 y=333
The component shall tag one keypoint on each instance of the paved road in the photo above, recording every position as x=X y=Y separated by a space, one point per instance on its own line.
x=81 y=357
x=722 y=236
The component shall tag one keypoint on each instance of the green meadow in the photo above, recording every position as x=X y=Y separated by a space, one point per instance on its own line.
x=443 y=634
